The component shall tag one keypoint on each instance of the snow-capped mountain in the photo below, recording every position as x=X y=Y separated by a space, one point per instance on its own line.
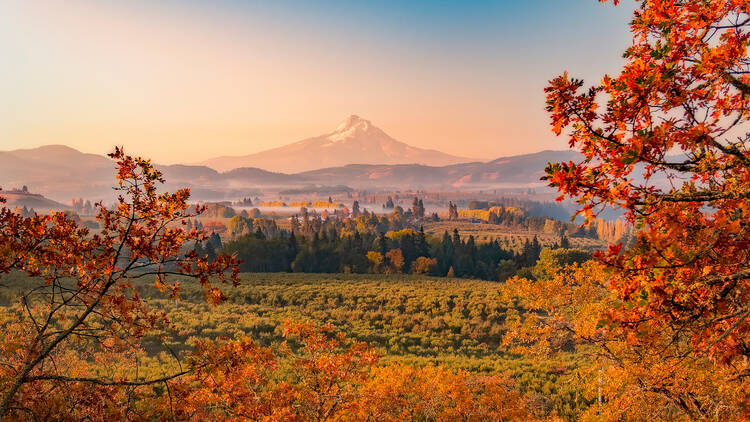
x=354 y=141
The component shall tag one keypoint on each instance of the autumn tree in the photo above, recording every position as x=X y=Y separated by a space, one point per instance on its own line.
x=614 y=377
x=376 y=261
x=394 y=261
x=434 y=393
x=71 y=344
x=319 y=374
x=314 y=376
x=237 y=225
x=424 y=265
x=666 y=140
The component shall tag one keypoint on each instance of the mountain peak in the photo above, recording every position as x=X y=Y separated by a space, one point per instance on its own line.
x=351 y=121
x=350 y=127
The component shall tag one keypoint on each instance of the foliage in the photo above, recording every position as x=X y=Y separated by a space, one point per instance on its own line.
x=654 y=379
x=329 y=377
x=423 y=265
x=318 y=380
x=670 y=148
x=395 y=260
x=400 y=392
x=272 y=204
x=552 y=261
x=82 y=309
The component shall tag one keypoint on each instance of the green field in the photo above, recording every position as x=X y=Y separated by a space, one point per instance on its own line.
x=457 y=323
x=454 y=322
x=405 y=317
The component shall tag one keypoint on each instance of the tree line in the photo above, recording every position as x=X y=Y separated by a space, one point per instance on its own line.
x=332 y=249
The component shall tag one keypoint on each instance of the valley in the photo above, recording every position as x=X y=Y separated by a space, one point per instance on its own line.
x=346 y=211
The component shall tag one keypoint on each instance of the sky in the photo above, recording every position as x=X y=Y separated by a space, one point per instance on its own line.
x=184 y=80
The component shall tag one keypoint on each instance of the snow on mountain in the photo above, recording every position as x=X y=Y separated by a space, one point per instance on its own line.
x=354 y=141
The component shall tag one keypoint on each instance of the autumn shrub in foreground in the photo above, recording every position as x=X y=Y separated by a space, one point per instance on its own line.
x=322 y=375
x=400 y=392
x=620 y=377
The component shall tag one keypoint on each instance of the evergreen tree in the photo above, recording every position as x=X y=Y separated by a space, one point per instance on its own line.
x=456 y=239
x=381 y=244
x=295 y=223
x=417 y=208
x=452 y=211
x=259 y=234
x=215 y=241
x=422 y=247
x=210 y=251
x=292 y=248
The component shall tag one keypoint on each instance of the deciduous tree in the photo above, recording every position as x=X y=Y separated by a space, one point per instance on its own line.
x=81 y=313
x=667 y=141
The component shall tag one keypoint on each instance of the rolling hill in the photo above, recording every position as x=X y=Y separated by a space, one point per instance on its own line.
x=62 y=173
x=516 y=171
x=19 y=199
x=58 y=172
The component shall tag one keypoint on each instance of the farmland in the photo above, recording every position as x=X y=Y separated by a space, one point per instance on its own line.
x=484 y=232
x=416 y=320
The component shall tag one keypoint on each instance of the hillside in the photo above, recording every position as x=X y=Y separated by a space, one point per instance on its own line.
x=354 y=141
x=516 y=171
x=19 y=199
x=62 y=173
x=57 y=171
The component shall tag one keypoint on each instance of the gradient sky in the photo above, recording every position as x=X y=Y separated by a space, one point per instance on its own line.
x=185 y=80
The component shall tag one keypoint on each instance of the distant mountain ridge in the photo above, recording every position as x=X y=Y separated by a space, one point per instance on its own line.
x=57 y=171
x=63 y=173
x=516 y=171
x=354 y=141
